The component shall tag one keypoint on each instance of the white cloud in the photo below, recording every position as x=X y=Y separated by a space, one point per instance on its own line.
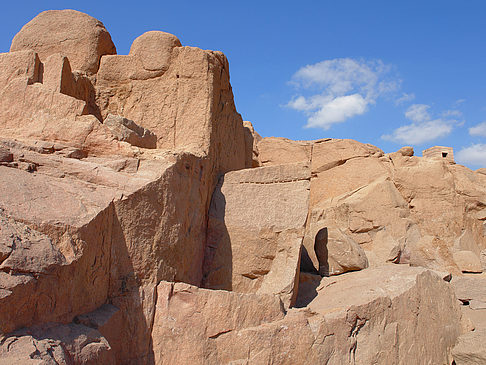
x=478 y=130
x=337 y=110
x=422 y=129
x=418 y=113
x=340 y=89
x=418 y=133
x=472 y=155
x=404 y=98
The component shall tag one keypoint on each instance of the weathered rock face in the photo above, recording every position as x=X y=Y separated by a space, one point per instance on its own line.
x=471 y=291
x=255 y=231
x=430 y=212
x=90 y=216
x=178 y=101
x=80 y=37
x=109 y=226
x=382 y=316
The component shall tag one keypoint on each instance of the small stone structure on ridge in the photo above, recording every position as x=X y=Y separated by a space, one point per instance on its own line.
x=439 y=153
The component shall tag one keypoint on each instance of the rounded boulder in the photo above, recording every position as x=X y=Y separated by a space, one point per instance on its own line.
x=78 y=36
x=154 y=49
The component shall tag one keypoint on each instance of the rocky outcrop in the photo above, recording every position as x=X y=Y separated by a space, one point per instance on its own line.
x=255 y=231
x=382 y=316
x=76 y=35
x=430 y=210
x=471 y=291
x=143 y=222
x=92 y=212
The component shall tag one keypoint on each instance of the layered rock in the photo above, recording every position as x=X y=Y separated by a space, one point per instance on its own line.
x=471 y=291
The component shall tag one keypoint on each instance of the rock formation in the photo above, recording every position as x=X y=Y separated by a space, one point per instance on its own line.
x=143 y=222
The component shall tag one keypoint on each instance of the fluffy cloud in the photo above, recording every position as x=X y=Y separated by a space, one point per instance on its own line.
x=339 y=89
x=422 y=129
x=337 y=110
x=478 y=130
x=472 y=155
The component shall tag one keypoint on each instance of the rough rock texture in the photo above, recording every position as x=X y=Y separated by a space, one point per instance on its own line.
x=470 y=349
x=467 y=261
x=89 y=215
x=154 y=49
x=255 y=230
x=126 y=130
x=378 y=316
x=119 y=202
x=471 y=291
x=429 y=209
x=80 y=37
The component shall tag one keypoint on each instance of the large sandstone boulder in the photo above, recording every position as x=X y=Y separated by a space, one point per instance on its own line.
x=255 y=231
x=154 y=49
x=377 y=316
x=73 y=34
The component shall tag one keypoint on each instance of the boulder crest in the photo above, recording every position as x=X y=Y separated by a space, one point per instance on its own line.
x=154 y=49
x=80 y=37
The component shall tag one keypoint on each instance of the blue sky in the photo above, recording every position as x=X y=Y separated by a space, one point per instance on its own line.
x=390 y=73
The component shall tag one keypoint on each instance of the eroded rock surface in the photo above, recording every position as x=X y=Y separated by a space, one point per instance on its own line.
x=383 y=316
x=120 y=201
x=80 y=37
x=255 y=231
x=430 y=211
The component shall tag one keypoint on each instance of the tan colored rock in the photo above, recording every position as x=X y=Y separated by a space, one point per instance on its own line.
x=108 y=220
x=32 y=110
x=199 y=317
x=471 y=287
x=56 y=344
x=252 y=139
x=189 y=116
x=57 y=75
x=73 y=34
x=467 y=261
x=355 y=217
x=128 y=131
x=25 y=64
x=482 y=259
x=154 y=49
x=122 y=69
x=5 y=155
x=469 y=349
x=406 y=151
x=374 y=315
x=277 y=151
x=329 y=153
x=255 y=230
x=466 y=242
x=338 y=253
